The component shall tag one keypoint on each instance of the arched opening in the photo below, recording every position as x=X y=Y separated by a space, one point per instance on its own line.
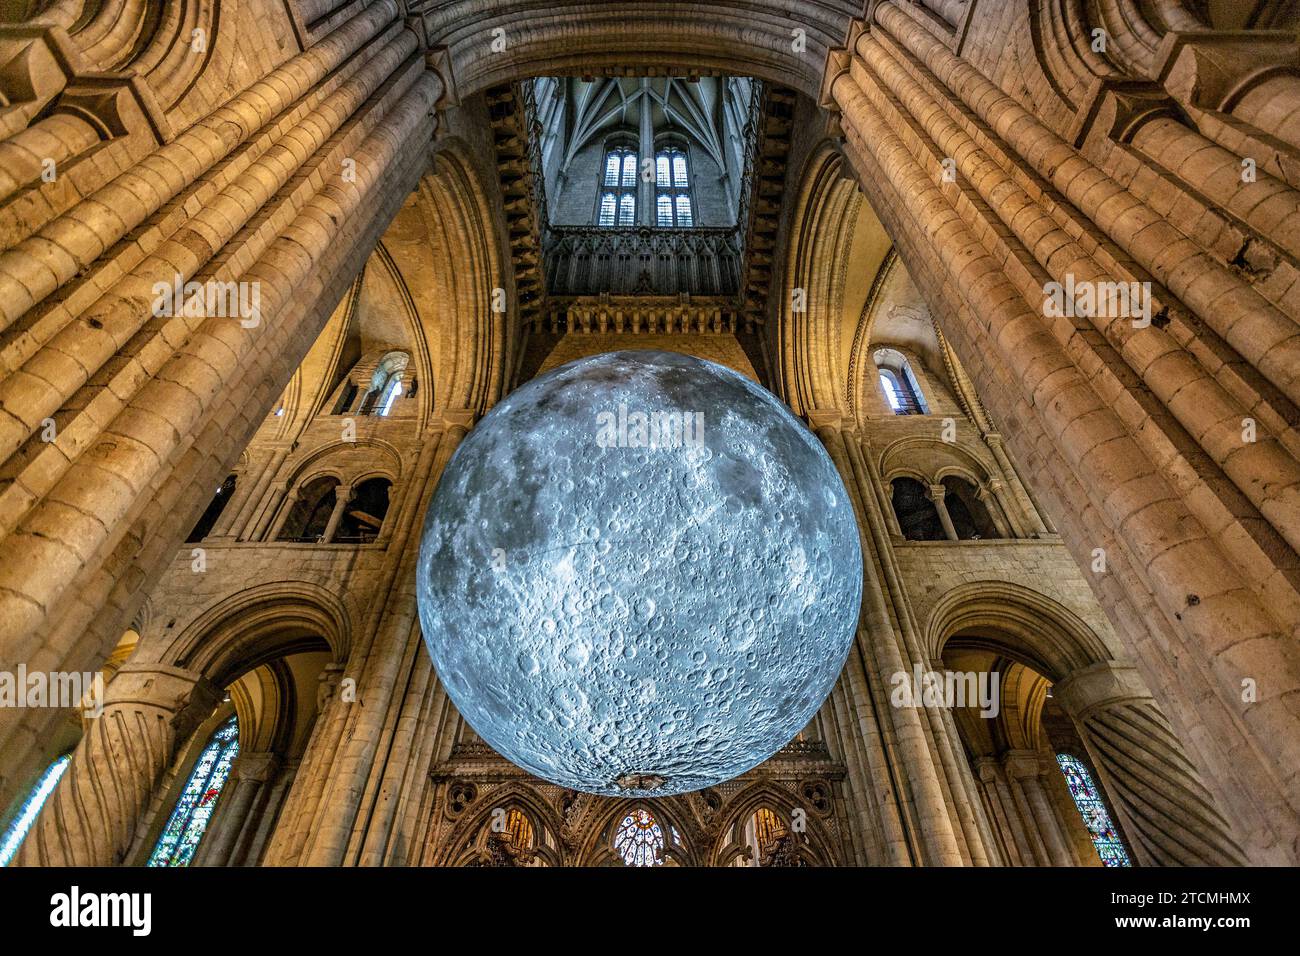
x=386 y=385
x=673 y=200
x=363 y=516
x=230 y=778
x=918 y=518
x=213 y=511
x=1026 y=679
x=618 y=187
x=1014 y=757
x=970 y=518
x=766 y=839
x=899 y=384
x=310 y=514
x=512 y=837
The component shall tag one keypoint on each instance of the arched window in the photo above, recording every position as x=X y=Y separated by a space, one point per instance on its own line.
x=639 y=839
x=970 y=519
x=22 y=821
x=213 y=511
x=310 y=516
x=918 y=518
x=898 y=382
x=618 y=188
x=386 y=385
x=760 y=832
x=673 y=188
x=1093 y=810
x=185 y=827
x=363 y=516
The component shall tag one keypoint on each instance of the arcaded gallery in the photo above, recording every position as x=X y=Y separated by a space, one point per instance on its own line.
x=568 y=434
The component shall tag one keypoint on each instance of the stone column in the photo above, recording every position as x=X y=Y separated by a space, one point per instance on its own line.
x=1027 y=508
x=91 y=818
x=937 y=495
x=286 y=506
x=239 y=525
x=248 y=775
x=1005 y=818
x=342 y=498
x=1025 y=770
x=992 y=501
x=645 y=188
x=302 y=802
x=887 y=507
x=356 y=739
x=1168 y=816
x=937 y=816
x=70 y=586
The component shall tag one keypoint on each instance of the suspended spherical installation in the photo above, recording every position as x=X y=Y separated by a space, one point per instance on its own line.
x=639 y=574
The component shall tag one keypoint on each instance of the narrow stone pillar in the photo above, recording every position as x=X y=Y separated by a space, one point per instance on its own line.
x=248 y=775
x=290 y=499
x=988 y=772
x=342 y=498
x=1025 y=768
x=992 y=501
x=1027 y=506
x=887 y=508
x=91 y=818
x=1167 y=813
x=1033 y=840
x=937 y=495
x=254 y=498
x=302 y=802
x=645 y=188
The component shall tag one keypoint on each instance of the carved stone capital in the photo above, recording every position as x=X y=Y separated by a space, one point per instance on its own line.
x=1212 y=69
x=1116 y=107
x=255 y=766
x=1101 y=685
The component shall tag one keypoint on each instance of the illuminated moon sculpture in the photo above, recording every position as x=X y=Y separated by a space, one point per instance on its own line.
x=640 y=574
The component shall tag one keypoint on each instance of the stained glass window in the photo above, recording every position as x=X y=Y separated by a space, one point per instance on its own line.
x=618 y=188
x=180 y=838
x=1104 y=835
x=18 y=827
x=640 y=840
x=673 y=189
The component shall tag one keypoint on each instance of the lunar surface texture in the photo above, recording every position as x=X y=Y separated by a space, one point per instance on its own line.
x=640 y=574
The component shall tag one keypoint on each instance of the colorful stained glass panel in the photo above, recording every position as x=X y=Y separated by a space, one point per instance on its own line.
x=185 y=827
x=1093 y=810
x=640 y=839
